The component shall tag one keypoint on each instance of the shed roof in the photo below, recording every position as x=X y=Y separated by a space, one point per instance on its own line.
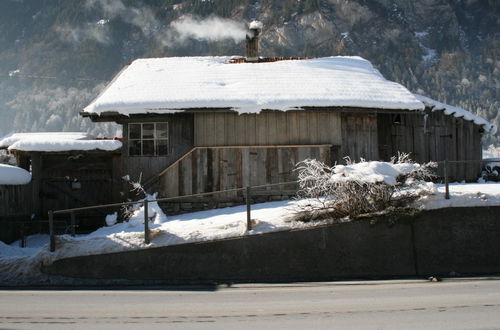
x=57 y=142
x=163 y=85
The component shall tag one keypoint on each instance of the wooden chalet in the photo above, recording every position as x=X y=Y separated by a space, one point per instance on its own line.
x=200 y=124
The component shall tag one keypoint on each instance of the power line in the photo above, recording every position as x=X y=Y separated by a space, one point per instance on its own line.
x=30 y=76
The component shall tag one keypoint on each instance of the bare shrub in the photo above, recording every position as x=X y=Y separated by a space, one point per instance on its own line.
x=359 y=188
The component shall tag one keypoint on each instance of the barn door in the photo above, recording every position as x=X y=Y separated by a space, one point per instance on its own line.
x=359 y=136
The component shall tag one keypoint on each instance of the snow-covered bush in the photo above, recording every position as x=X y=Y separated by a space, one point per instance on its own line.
x=359 y=188
x=134 y=214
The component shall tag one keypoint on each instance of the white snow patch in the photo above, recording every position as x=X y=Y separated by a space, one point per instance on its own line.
x=457 y=112
x=12 y=175
x=111 y=219
x=161 y=85
x=462 y=195
x=65 y=145
x=372 y=172
x=12 y=138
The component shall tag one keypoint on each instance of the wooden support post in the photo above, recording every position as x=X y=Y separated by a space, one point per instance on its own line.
x=73 y=224
x=23 y=236
x=247 y=200
x=446 y=183
x=51 y=232
x=146 y=222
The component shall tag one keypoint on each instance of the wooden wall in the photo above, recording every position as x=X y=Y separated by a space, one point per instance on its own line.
x=217 y=168
x=15 y=200
x=15 y=207
x=434 y=137
x=267 y=128
x=180 y=141
x=92 y=170
x=359 y=136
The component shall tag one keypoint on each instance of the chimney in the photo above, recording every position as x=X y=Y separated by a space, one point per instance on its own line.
x=252 y=44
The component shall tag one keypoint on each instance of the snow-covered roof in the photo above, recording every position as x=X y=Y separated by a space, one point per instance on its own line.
x=162 y=85
x=12 y=138
x=457 y=112
x=54 y=142
x=12 y=175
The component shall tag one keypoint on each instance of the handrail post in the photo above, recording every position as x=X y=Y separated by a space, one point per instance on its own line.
x=73 y=223
x=247 y=200
x=51 y=232
x=23 y=236
x=146 y=220
x=446 y=181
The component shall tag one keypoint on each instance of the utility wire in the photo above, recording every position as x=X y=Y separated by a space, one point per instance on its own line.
x=18 y=75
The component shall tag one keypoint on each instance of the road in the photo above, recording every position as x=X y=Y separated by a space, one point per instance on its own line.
x=451 y=304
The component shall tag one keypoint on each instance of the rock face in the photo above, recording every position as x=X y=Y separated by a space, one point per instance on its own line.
x=445 y=49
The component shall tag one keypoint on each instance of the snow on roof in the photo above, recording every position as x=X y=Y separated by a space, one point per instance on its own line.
x=65 y=145
x=457 y=112
x=12 y=175
x=12 y=138
x=162 y=85
x=57 y=141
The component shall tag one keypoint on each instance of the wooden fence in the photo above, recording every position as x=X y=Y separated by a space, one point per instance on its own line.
x=16 y=207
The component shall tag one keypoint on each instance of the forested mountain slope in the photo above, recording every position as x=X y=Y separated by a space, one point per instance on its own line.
x=56 y=55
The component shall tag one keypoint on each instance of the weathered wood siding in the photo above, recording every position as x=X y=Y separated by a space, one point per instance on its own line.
x=359 y=136
x=434 y=137
x=75 y=179
x=208 y=169
x=180 y=142
x=15 y=206
x=15 y=200
x=267 y=128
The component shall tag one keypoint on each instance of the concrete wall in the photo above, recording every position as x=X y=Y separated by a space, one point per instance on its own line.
x=456 y=241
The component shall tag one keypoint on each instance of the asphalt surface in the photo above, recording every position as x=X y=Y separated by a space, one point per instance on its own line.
x=450 y=304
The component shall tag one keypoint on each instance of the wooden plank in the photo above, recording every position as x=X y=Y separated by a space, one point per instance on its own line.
x=219 y=128
x=230 y=137
x=323 y=128
x=293 y=128
x=313 y=128
x=335 y=128
x=303 y=124
x=245 y=166
x=460 y=148
x=272 y=133
x=170 y=182
x=251 y=129
x=241 y=130
x=261 y=129
x=201 y=176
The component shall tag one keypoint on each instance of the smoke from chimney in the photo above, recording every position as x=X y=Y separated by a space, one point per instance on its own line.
x=252 y=41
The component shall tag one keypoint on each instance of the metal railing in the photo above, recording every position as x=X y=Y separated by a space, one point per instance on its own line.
x=446 y=170
x=247 y=192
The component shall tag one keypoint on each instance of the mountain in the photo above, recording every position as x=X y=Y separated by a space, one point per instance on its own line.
x=56 y=55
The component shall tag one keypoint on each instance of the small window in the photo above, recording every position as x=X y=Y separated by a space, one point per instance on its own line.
x=148 y=139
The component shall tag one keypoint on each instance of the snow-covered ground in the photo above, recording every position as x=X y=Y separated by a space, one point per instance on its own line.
x=22 y=265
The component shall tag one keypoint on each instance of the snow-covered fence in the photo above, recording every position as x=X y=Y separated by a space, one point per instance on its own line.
x=246 y=190
x=446 y=164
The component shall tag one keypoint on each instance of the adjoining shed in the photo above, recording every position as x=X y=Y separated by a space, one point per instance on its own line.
x=67 y=170
x=198 y=124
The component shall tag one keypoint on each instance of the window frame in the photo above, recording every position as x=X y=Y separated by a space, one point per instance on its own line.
x=156 y=138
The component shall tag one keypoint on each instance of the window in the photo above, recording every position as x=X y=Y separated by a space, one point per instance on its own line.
x=148 y=139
